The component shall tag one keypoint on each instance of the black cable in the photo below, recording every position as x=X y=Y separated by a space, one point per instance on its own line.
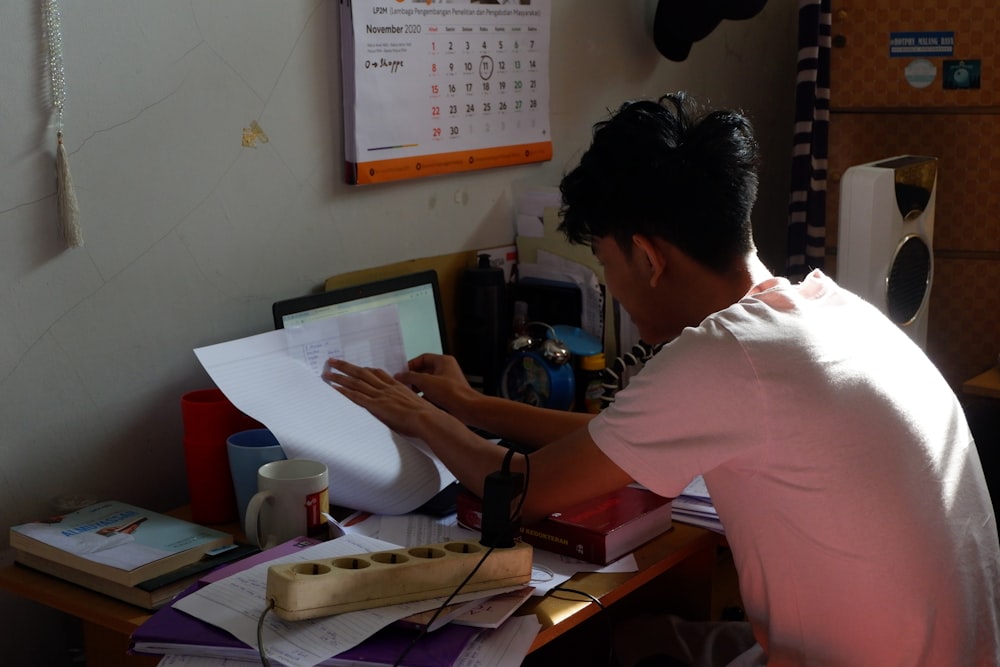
x=424 y=629
x=260 y=635
x=607 y=619
x=505 y=466
x=515 y=515
x=613 y=377
x=592 y=598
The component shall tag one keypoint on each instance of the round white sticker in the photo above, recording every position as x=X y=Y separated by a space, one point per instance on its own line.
x=920 y=73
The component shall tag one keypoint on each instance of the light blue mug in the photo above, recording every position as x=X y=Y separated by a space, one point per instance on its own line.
x=248 y=451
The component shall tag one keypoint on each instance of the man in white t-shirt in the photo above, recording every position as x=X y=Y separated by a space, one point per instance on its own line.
x=838 y=459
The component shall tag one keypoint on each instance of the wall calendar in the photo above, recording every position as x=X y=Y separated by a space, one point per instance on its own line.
x=440 y=86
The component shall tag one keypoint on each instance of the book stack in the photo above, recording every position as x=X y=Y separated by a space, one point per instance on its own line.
x=600 y=530
x=694 y=506
x=129 y=553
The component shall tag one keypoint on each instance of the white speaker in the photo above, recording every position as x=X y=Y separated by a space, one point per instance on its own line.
x=884 y=249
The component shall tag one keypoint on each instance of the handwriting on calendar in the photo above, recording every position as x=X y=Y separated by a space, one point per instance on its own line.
x=392 y=65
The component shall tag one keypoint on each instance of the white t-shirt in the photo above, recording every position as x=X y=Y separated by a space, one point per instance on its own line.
x=841 y=465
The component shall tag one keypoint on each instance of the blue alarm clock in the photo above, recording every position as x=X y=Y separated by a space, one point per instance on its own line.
x=538 y=372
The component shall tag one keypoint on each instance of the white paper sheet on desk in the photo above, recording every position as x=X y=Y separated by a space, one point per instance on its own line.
x=504 y=647
x=275 y=378
x=236 y=603
x=548 y=570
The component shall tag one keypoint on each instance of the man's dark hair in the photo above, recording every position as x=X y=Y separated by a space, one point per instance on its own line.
x=661 y=169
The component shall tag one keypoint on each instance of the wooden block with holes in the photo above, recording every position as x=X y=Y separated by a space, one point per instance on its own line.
x=310 y=589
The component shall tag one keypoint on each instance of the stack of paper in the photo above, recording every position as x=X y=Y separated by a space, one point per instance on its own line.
x=694 y=506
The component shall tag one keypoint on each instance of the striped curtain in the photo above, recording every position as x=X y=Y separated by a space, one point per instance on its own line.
x=807 y=206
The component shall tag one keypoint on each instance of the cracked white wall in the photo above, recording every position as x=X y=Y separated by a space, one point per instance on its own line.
x=190 y=235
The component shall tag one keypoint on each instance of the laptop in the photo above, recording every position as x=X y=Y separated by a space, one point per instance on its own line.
x=417 y=298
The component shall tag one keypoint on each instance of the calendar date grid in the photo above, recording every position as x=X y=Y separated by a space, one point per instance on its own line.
x=482 y=83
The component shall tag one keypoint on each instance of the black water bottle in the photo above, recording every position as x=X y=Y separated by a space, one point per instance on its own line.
x=482 y=325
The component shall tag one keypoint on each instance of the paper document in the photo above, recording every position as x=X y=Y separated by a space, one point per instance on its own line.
x=504 y=647
x=236 y=603
x=694 y=506
x=530 y=204
x=548 y=570
x=275 y=378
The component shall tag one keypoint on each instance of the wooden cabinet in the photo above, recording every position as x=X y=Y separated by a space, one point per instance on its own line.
x=877 y=113
x=864 y=76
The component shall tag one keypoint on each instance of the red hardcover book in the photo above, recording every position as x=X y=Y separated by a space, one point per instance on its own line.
x=469 y=510
x=600 y=530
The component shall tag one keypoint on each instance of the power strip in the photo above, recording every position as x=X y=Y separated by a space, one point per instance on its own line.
x=310 y=589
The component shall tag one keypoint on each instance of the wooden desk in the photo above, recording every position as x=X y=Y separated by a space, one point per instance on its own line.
x=985 y=384
x=693 y=549
x=108 y=623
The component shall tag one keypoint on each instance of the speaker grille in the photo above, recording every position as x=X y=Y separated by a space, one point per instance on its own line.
x=908 y=281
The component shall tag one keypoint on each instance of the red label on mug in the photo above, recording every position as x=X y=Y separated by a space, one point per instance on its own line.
x=316 y=504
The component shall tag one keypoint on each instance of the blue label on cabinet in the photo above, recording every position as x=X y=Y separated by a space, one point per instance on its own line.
x=926 y=44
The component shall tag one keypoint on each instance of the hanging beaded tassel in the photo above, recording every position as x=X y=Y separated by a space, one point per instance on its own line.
x=69 y=212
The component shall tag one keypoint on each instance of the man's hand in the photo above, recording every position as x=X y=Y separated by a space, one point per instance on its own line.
x=390 y=401
x=442 y=382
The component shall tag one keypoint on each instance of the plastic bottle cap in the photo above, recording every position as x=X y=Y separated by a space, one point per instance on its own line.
x=579 y=342
x=593 y=362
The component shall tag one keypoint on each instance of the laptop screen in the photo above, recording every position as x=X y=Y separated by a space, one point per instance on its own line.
x=416 y=297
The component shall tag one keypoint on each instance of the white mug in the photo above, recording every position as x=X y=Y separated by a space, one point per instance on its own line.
x=292 y=500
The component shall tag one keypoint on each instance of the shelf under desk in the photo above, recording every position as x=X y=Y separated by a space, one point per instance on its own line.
x=108 y=623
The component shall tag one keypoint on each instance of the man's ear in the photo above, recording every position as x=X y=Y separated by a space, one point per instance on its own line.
x=650 y=256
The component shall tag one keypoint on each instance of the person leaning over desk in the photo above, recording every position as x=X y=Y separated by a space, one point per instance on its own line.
x=837 y=457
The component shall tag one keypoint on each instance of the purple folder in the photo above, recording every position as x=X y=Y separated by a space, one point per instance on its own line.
x=169 y=630
x=191 y=636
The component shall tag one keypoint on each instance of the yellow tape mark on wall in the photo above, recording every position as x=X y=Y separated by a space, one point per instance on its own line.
x=253 y=135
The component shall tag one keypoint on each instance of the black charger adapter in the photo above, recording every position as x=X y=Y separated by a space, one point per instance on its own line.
x=500 y=489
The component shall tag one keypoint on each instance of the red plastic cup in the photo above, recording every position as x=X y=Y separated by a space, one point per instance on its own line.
x=209 y=418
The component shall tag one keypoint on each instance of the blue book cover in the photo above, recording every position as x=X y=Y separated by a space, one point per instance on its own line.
x=118 y=541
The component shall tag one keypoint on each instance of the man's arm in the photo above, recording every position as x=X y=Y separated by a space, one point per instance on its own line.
x=558 y=475
x=441 y=381
x=522 y=423
x=563 y=472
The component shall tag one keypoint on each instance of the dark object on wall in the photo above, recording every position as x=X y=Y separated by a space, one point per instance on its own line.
x=678 y=24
